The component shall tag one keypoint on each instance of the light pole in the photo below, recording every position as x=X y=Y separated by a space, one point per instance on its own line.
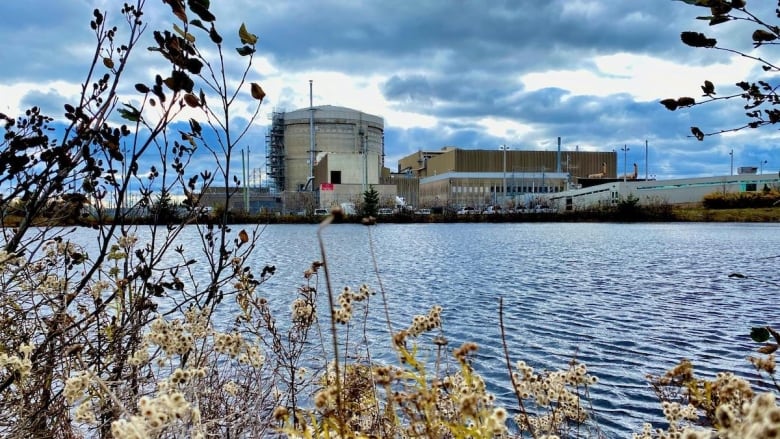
x=625 y=149
x=503 y=184
x=732 y=162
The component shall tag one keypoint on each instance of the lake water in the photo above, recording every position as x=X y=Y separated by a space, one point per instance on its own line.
x=625 y=299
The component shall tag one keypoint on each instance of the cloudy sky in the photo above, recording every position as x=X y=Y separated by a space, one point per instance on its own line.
x=466 y=73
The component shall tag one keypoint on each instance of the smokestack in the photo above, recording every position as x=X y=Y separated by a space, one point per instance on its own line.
x=558 y=160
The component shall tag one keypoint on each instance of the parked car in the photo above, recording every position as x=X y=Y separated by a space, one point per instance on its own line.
x=422 y=211
x=385 y=211
x=490 y=210
x=468 y=210
x=320 y=212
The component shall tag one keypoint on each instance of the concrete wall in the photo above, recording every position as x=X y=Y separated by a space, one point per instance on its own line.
x=354 y=168
x=337 y=130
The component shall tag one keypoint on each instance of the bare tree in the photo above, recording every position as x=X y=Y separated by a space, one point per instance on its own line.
x=117 y=334
x=759 y=96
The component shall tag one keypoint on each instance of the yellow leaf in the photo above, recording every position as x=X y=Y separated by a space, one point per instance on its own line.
x=187 y=36
x=246 y=36
x=257 y=91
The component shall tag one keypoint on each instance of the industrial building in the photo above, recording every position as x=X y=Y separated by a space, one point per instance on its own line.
x=659 y=192
x=454 y=177
x=326 y=155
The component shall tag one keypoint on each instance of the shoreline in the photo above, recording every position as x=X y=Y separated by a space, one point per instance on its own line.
x=659 y=215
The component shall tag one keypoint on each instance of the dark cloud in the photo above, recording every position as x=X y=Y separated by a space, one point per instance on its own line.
x=458 y=61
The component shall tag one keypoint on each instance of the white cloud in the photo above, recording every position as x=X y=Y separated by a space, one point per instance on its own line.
x=644 y=77
x=14 y=94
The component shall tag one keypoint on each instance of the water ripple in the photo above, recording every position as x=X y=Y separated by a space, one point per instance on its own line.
x=626 y=299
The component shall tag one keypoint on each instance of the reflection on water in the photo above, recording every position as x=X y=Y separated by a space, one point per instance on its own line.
x=626 y=299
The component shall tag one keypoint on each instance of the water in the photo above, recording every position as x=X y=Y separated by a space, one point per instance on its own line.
x=626 y=299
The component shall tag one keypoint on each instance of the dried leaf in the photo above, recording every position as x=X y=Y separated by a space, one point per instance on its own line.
x=708 y=88
x=768 y=349
x=670 y=104
x=186 y=35
x=214 y=35
x=246 y=36
x=774 y=333
x=697 y=133
x=108 y=62
x=686 y=101
x=719 y=19
x=191 y=100
x=243 y=236
x=245 y=50
x=257 y=91
x=177 y=7
x=697 y=39
x=201 y=8
x=760 y=36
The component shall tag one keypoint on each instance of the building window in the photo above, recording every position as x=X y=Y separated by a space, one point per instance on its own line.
x=335 y=177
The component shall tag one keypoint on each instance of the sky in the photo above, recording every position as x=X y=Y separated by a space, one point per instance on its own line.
x=474 y=74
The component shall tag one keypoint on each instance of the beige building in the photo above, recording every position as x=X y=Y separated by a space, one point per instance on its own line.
x=453 y=177
x=353 y=140
x=335 y=152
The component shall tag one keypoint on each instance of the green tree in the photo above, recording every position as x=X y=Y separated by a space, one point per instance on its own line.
x=164 y=210
x=370 y=205
x=758 y=96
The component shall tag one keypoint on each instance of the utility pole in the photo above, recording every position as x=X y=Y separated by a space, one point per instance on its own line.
x=732 y=162
x=311 y=134
x=625 y=149
x=504 y=148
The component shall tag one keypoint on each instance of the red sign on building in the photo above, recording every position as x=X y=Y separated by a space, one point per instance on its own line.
x=326 y=186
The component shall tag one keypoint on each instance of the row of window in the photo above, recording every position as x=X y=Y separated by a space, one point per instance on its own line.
x=509 y=189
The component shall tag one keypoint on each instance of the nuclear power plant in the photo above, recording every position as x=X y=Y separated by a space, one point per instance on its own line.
x=324 y=156
x=324 y=145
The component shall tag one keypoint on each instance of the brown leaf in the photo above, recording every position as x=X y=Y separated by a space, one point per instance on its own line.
x=257 y=91
x=697 y=133
x=708 y=88
x=697 y=39
x=243 y=236
x=774 y=333
x=177 y=7
x=108 y=62
x=761 y=35
x=768 y=349
x=670 y=104
x=191 y=100
x=686 y=101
